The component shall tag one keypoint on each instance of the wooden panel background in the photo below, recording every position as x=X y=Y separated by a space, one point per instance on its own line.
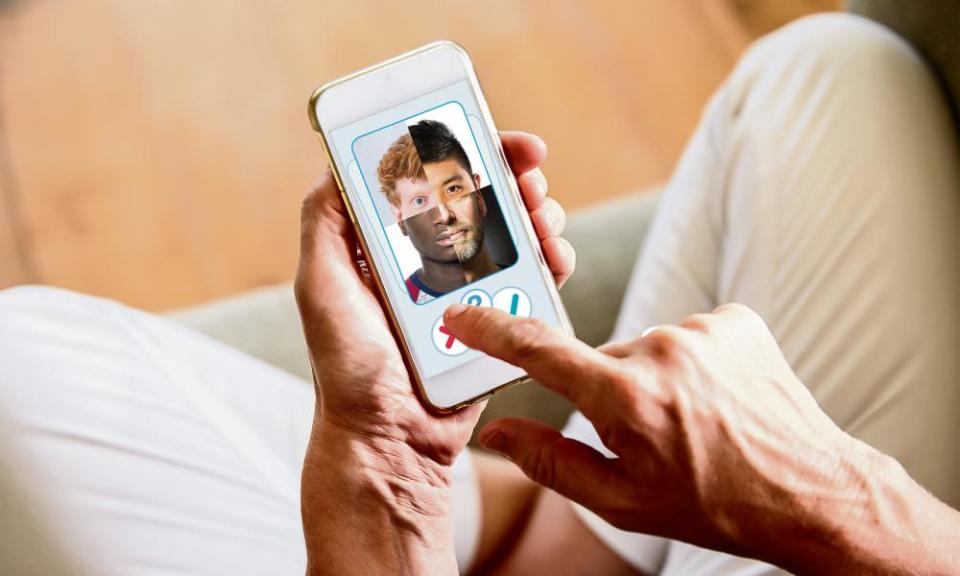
x=156 y=151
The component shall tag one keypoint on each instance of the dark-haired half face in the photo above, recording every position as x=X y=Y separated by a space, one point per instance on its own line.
x=449 y=179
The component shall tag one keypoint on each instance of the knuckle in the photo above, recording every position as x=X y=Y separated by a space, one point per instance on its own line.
x=698 y=322
x=666 y=344
x=663 y=336
x=538 y=175
x=741 y=315
x=534 y=180
x=557 y=215
x=569 y=254
x=733 y=309
x=544 y=222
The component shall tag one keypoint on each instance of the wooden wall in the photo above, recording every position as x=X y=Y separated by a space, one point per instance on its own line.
x=156 y=151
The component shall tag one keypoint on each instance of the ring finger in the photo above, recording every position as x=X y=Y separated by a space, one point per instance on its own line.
x=549 y=219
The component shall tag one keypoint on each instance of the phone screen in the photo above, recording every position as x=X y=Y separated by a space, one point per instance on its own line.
x=430 y=194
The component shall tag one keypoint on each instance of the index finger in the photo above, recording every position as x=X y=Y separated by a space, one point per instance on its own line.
x=559 y=362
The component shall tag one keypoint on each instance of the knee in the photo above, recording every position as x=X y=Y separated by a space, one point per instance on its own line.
x=842 y=58
x=844 y=45
x=842 y=79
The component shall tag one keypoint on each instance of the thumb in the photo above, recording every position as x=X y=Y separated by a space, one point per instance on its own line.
x=567 y=466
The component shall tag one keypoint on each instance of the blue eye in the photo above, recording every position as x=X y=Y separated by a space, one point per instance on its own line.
x=418 y=202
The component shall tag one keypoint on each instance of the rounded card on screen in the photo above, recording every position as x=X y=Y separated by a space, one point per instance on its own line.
x=444 y=225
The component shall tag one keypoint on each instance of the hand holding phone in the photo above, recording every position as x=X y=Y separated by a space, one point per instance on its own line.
x=364 y=393
x=377 y=441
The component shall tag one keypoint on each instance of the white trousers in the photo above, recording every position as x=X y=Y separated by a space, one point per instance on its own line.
x=156 y=450
x=822 y=189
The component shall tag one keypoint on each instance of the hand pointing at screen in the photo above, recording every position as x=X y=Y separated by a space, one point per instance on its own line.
x=718 y=444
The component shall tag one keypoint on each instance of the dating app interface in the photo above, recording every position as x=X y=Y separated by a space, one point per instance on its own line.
x=433 y=205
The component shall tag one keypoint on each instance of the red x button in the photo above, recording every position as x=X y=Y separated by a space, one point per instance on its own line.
x=446 y=342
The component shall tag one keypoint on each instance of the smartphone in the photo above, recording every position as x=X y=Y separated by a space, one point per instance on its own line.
x=437 y=212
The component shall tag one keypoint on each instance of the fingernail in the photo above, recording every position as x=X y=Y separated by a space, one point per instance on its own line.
x=495 y=441
x=456 y=310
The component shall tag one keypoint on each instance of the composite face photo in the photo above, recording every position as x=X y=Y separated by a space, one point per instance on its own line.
x=435 y=200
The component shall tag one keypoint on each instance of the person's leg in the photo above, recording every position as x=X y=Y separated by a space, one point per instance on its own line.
x=160 y=450
x=822 y=189
x=824 y=192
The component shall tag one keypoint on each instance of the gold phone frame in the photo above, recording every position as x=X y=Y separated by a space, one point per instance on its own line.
x=493 y=135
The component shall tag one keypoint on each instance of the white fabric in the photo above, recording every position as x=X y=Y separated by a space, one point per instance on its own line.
x=822 y=188
x=163 y=452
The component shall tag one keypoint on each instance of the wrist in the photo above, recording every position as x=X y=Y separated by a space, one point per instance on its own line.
x=899 y=527
x=806 y=516
x=832 y=522
x=859 y=523
x=374 y=461
x=371 y=503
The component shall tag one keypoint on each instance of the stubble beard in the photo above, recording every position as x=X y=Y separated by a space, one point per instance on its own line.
x=471 y=245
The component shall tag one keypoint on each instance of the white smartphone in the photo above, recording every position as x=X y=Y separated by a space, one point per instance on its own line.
x=437 y=211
